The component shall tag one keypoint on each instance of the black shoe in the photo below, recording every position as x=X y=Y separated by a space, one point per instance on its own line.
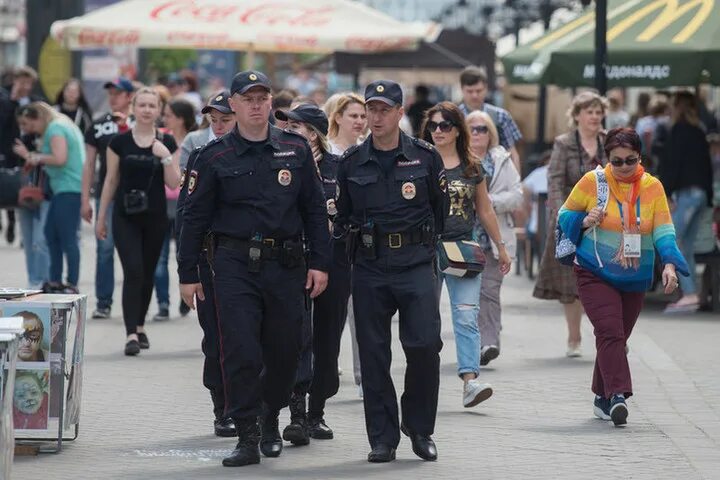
x=143 y=341
x=132 y=348
x=184 y=309
x=10 y=234
x=319 y=430
x=246 y=451
x=297 y=432
x=271 y=444
x=381 y=453
x=422 y=445
x=488 y=354
x=225 y=427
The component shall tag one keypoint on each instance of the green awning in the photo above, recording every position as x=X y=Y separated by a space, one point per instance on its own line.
x=656 y=43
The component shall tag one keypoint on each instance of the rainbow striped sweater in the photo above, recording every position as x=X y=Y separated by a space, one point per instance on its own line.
x=656 y=230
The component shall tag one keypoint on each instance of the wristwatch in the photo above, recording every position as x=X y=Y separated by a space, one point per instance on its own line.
x=167 y=160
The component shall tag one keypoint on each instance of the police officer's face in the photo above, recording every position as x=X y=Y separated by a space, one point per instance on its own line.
x=383 y=120
x=221 y=123
x=474 y=95
x=252 y=108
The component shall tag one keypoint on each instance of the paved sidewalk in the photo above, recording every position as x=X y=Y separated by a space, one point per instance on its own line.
x=150 y=418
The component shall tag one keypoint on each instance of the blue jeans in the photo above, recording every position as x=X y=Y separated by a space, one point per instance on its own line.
x=37 y=258
x=105 y=262
x=162 y=275
x=61 y=232
x=689 y=205
x=465 y=302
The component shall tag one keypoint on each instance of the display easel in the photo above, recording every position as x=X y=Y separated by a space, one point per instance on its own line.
x=66 y=322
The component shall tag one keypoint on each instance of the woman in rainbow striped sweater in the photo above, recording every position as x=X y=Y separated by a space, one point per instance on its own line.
x=614 y=260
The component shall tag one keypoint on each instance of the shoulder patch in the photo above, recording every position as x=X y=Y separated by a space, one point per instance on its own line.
x=423 y=144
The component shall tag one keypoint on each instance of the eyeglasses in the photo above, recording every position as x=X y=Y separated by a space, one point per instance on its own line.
x=445 y=126
x=629 y=161
x=478 y=129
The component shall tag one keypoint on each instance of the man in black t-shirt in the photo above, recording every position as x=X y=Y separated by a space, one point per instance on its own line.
x=97 y=138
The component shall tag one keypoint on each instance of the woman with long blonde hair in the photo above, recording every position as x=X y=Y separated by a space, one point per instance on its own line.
x=347 y=123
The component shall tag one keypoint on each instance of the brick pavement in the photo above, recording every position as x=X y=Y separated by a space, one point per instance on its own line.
x=149 y=417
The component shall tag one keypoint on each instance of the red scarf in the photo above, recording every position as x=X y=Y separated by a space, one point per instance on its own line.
x=627 y=202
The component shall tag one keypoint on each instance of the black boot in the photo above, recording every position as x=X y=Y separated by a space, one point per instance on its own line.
x=297 y=432
x=318 y=429
x=246 y=452
x=223 y=426
x=271 y=444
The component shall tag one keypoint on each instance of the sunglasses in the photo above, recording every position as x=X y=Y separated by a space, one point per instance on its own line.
x=478 y=129
x=445 y=126
x=629 y=161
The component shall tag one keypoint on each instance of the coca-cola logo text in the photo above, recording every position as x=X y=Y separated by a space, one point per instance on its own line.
x=92 y=37
x=269 y=14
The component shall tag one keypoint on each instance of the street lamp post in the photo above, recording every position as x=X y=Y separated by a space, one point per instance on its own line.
x=601 y=46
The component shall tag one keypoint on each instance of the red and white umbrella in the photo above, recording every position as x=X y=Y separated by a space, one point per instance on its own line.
x=294 y=26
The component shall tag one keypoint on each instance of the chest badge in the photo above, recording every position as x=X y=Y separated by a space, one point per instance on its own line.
x=331 y=207
x=284 y=177
x=408 y=190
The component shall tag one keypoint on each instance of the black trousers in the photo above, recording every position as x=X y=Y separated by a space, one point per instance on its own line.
x=377 y=295
x=329 y=314
x=260 y=317
x=212 y=371
x=138 y=240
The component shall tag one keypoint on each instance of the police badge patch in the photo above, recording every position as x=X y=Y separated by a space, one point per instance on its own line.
x=192 y=181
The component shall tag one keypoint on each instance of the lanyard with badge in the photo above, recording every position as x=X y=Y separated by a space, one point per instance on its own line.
x=631 y=241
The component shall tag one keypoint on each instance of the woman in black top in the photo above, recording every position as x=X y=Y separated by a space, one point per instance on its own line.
x=139 y=164
x=71 y=102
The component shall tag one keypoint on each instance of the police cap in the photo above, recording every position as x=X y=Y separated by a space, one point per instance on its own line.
x=385 y=91
x=244 y=81
x=306 y=113
x=219 y=102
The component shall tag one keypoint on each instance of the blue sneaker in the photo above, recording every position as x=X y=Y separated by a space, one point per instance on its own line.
x=618 y=410
x=601 y=408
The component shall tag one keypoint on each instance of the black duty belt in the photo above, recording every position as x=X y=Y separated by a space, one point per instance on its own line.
x=271 y=248
x=401 y=239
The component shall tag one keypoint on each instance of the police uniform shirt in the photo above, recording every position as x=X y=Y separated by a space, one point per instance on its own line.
x=98 y=135
x=411 y=194
x=238 y=189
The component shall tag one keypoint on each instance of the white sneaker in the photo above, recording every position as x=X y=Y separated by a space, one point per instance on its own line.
x=574 y=350
x=360 y=391
x=475 y=392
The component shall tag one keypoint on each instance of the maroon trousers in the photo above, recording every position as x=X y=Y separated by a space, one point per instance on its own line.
x=613 y=314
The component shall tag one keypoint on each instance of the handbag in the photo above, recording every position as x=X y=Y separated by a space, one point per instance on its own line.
x=32 y=194
x=462 y=258
x=564 y=247
x=10 y=184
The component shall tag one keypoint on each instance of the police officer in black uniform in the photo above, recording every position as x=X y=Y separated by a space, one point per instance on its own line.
x=318 y=369
x=257 y=191
x=392 y=204
x=212 y=372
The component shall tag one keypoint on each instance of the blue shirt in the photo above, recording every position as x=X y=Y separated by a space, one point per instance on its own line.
x=66 y=178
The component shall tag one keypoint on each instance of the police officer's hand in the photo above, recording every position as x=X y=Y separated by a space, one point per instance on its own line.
x=188 y=292
x=504 y=261
x=316 y=282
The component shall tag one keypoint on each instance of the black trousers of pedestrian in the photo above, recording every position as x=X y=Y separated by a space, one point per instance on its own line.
x=260 y=317
x=329 y=314
x=138 y=240
x=304 y=375
x=212 y=371
x=377 y=294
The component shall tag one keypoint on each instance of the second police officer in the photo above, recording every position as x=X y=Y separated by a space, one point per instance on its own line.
x=257 y=190
x=392 y=204
x=318 y=371
x=218 y=109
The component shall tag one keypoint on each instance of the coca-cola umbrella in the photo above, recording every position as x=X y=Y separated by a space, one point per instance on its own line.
x=294 y=26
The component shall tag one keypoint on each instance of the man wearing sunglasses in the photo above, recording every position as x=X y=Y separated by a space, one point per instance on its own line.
x=392 y=204
x=474 y=86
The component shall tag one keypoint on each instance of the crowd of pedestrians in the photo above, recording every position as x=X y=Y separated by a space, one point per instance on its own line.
x=356 y=188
